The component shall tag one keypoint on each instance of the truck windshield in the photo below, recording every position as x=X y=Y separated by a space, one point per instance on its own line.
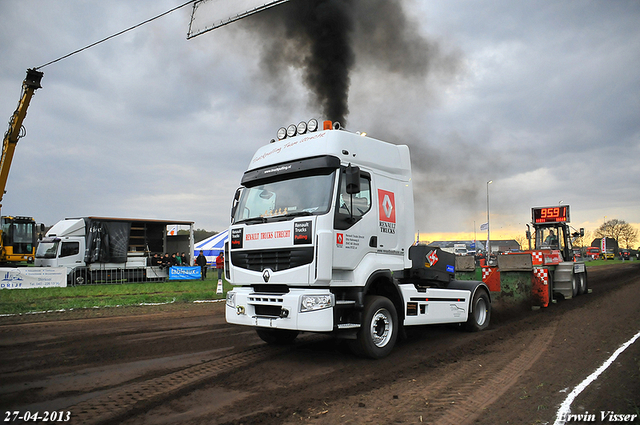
x=47 y=249
x=303 y=195
x=550 y=238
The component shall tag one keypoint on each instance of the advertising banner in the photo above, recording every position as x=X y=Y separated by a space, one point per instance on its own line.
x=33 y=277
x=184 y=273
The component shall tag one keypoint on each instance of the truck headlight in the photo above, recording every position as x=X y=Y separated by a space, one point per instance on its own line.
x=316 y=302
x=231 y=299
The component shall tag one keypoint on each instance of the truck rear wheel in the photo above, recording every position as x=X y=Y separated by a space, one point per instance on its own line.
x=480 y=316
x=575 y=284
x=379 y=329
x=582 y=283
x=277 y=336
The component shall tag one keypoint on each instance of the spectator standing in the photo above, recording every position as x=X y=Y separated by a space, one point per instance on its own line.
x=220 y=264
x=201 y=261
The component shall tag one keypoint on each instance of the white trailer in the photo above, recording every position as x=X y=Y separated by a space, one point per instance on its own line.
x=110 y=250
x=322 y=240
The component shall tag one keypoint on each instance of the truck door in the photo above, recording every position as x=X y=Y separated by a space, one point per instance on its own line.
x=354 y=223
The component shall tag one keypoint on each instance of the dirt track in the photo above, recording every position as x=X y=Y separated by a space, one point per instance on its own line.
x=184 y=364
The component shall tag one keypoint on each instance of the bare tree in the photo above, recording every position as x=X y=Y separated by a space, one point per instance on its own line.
x=522 y=241
x=628 y=236
x=620 y=230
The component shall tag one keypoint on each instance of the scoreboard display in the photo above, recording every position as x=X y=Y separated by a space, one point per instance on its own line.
x=559 y=214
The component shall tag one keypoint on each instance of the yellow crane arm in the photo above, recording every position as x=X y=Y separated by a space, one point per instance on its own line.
x=30 y=84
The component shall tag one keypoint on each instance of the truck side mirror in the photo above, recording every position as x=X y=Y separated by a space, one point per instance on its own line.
x=352 y=180
x=582 y=232
x=234 y=205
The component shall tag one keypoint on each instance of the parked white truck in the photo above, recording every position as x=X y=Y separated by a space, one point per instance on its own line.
x=460 y=249
x=322 y=240
x=110 y=250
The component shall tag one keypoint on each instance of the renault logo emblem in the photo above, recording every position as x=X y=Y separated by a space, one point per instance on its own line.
x=266 y=275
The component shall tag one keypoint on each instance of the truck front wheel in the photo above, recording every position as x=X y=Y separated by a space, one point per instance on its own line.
x=277 y=336
x=78 y=277
x=379 y=329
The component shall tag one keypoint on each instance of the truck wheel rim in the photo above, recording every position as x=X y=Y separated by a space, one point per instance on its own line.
x=381 y=328
x=480 y=311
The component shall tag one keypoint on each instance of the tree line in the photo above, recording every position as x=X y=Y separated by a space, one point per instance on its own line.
x=624 y=234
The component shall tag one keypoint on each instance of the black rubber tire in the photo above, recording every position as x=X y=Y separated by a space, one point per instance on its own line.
x=78 y=278
x=379 y=331
x=480 y=314
x=582 y=283
x=277 y=336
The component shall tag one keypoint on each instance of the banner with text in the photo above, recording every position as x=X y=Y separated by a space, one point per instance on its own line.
x=184 y=273
x=33 y=277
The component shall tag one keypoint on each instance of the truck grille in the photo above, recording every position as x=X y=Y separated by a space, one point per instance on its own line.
x=274 y=259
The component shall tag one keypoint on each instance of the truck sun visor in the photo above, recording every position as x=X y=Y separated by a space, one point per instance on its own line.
x=321 y=162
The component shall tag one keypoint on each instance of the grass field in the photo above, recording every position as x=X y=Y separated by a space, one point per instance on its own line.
x=19 y=301
x=593 y=263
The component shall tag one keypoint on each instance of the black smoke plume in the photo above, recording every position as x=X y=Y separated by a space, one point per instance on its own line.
x=323 y=38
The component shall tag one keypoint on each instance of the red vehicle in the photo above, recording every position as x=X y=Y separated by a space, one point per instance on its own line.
x=593 y=252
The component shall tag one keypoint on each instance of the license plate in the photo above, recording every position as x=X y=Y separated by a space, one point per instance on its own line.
x=265 y=322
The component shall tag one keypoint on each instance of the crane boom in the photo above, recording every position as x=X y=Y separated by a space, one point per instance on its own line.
x=29 y=86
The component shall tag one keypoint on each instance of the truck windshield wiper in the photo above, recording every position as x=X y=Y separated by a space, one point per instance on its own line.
x=291 y=215
x=252 y=220
x=298 y=213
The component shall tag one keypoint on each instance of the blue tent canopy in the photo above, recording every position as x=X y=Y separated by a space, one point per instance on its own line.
x=211 y=247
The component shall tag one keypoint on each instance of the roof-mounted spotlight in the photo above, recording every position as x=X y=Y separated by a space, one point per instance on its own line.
x=291 y=130
x=282 y=133
x=312 y=125
x=302 y=127
x=337 y=126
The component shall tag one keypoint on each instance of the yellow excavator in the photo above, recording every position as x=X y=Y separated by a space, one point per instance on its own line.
x=17 y=233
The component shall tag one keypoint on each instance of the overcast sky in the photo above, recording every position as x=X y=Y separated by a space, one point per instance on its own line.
x=541 y=97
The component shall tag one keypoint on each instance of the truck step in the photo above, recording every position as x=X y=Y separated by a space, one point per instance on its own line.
x=348 y=325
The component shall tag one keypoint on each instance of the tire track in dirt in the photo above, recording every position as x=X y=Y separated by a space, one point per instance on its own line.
x=497 y=377
x=115 y=405
x=451 y=394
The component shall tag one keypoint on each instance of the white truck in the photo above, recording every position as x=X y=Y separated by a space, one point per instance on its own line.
x=110 y=250
x=322 y=240
x=460 y=249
